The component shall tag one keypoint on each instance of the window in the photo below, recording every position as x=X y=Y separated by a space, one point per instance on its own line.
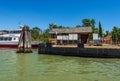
x=1 y=38
x=10 y=38
x=5 y=38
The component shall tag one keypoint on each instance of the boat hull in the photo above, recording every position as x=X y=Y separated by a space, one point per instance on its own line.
x=14 y=45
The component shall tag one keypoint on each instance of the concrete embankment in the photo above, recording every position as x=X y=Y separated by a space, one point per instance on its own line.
x=81 y=52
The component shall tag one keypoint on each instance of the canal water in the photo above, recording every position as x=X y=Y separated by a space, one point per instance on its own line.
x=36 y=67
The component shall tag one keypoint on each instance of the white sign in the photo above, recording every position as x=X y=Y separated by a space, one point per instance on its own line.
x=59 y=37
x=65 y=37
x=73 y=36
x=95 y=36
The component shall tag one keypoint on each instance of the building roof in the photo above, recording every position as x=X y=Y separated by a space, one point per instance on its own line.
x=71 y=30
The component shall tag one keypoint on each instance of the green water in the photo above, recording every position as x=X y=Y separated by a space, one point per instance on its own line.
x=34 y=67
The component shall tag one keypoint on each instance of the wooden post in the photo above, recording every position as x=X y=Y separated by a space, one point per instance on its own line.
x=24 y=44
x=89 y=35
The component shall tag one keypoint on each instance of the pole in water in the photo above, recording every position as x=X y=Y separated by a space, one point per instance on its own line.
x=24 y=44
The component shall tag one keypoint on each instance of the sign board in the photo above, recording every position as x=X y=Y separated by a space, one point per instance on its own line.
x=73 y=36
x=64 y=37
x=59 y=37
x=95 y=36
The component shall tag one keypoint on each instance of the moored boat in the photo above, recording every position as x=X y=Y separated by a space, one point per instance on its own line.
x=10 y=39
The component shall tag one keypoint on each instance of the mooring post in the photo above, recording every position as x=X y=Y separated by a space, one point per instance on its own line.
x=24 y=44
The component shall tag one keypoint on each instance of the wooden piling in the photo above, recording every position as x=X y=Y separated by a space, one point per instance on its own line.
x=24 y=44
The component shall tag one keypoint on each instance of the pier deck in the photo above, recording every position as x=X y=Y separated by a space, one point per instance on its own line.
x=87 y=46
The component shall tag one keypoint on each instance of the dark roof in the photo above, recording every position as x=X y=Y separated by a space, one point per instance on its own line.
x=71 y=30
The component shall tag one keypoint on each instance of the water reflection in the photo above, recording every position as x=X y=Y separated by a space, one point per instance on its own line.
x=22 y=64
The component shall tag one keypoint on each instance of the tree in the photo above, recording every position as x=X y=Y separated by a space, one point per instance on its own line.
x=96 y=30
x=93 y=25
x=46 y=35
x=100 y=30
x=93 y=22
x=118 y=34
x=35 y=32
x=115 y=34
x=60 y=27
x=52 y=26
x=86 y=23
x=77 y=26
x=107 y=32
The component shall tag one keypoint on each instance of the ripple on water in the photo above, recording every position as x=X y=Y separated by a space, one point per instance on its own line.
x=34 y=67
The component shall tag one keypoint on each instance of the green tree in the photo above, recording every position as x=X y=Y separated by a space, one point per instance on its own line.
x=46 y=35
x=77 y=26
x=86 y=23
x=35 y=33
x=107 y=32
x=93 y=22
x=52 y=26
x=100 y=30
x=96 y=30
x=118 y=34
x=61 y=27
x=93 y=25
x=115 y=34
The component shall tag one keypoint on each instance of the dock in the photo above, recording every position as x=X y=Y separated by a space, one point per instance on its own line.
x=80 y=51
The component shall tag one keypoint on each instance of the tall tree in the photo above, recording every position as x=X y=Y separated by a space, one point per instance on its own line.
x=100 y=30
x=93 y=25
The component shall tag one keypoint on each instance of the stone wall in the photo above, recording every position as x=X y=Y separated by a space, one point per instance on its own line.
x=81 y=52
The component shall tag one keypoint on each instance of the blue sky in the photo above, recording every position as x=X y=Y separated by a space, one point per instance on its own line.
x=61 y=12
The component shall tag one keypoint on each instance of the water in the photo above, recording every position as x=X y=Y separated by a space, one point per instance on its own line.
x=35 y=67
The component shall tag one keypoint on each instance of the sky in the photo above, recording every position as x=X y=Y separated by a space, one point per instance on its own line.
x=41 y=13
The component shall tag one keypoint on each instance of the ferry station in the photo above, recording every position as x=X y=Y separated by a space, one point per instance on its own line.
x=64 y=36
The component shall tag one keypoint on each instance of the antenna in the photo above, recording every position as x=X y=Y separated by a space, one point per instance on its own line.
x=20 y=25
